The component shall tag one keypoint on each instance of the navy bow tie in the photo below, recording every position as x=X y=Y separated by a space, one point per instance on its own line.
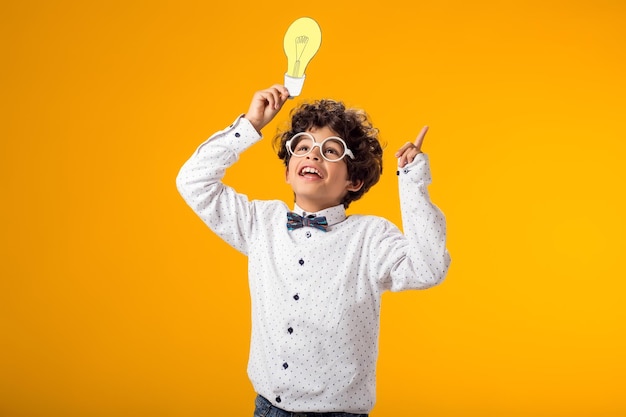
x=295 y=221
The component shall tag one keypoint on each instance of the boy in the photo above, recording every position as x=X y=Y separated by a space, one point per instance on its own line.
x=316 y=276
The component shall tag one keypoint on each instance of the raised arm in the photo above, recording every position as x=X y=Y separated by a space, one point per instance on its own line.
x=199 y=181
x=420 y=256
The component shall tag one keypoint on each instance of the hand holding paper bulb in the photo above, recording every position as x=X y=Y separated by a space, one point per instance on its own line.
x=301 y=43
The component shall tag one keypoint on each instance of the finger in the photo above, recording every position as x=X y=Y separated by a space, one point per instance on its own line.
x=420 y=138
x=403 y=149
x=259 y=103
x=405 y=158
x=408 y=156
x=280 y=93
x=411 y=154
x=279 y=97
x=276 y=94
x=284 y=93
x=269 y=96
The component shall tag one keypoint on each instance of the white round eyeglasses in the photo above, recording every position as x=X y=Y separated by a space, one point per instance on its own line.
x=332 y=148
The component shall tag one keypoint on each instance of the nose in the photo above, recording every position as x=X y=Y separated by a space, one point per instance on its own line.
x=316 y=153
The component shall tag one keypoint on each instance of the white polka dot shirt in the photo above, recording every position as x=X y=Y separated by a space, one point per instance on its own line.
x=315 y=294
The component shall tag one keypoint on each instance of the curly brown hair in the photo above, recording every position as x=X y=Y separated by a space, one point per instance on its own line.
x=353 y=126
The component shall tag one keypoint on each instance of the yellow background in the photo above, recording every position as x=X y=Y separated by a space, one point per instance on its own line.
x=115 y=300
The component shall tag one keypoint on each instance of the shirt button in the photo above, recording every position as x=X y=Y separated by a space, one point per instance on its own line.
x=290 y=330
x=278 y=399
x=285 y=365
x=308 y=234
x=237 y=134
x=301 y=262
x=296 y=297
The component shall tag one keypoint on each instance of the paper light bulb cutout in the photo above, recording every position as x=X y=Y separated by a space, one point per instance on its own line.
x=302 y=41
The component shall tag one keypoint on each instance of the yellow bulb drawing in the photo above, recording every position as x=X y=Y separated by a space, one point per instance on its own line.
x=302 y=41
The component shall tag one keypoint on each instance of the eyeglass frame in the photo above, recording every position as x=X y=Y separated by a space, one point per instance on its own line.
x=346 y=151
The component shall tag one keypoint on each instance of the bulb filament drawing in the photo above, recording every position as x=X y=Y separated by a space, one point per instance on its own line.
x=301 y=42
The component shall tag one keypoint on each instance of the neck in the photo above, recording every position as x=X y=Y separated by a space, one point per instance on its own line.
x=313 y=206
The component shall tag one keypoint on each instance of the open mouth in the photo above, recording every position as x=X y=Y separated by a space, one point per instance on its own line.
x=310 y=172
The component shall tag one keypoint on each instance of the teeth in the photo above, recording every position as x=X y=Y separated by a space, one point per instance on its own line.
x=310 y=170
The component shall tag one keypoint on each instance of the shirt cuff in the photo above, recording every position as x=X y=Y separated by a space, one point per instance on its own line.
x=239 y=136
x=416 y=171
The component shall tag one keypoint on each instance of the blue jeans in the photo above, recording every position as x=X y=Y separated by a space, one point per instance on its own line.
x=264 y=408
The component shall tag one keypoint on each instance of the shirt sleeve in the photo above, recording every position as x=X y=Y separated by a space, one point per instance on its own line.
x=199 y=182
x=420 y=256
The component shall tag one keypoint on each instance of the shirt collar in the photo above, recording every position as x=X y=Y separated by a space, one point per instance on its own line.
x=333 y=215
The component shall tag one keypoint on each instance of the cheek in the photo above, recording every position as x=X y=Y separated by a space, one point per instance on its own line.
x=341 y=171
x=289 y=169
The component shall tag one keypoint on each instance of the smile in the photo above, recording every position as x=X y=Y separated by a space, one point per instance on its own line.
x=310 y=170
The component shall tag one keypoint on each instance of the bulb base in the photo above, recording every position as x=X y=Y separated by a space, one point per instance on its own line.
x=294 y=84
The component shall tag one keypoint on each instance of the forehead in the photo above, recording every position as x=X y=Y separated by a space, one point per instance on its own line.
x=321 y=133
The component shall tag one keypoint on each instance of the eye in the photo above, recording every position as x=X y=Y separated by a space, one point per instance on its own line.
x=302 y=148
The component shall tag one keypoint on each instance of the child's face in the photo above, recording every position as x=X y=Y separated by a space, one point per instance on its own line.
x=327 y=185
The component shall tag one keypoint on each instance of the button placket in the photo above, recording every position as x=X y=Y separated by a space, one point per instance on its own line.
x=300 y=277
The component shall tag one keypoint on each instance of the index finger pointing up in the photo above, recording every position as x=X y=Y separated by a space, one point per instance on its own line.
x=420 y=138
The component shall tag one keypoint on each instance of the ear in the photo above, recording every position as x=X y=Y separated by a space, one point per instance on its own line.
x=287 y=175
x=355 y=185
